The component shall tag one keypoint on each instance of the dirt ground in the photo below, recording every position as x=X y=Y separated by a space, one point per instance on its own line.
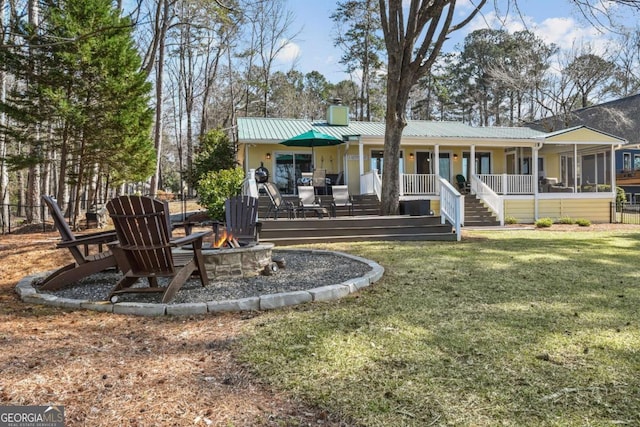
x=121 y=370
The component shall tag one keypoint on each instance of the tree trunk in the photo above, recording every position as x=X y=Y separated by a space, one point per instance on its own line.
x=157 y=137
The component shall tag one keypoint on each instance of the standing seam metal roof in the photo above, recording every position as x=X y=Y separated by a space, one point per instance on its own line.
x=276 y=129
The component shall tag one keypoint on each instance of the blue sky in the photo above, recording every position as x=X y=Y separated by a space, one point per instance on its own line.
x=555 y=21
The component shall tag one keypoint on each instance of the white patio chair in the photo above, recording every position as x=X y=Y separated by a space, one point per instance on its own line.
x=341 y=198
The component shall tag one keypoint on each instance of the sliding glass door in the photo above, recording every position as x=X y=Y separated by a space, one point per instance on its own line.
x=289 y=168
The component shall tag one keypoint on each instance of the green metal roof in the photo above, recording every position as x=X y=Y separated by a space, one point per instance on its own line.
x=276 y=129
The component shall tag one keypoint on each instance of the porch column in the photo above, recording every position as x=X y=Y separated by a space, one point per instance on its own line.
x=612 y=171
x=361 y=156
x=345 y=163
x=246 y=158
x=535 y=179
x=472 y=166
x=575 y=168
x=534 y=170
x=436 y=166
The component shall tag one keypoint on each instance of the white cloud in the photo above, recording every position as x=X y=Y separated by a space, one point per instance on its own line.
x=564 y=32
x=289 y=53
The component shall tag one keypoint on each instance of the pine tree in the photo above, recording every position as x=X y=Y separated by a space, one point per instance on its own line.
x=85 y=85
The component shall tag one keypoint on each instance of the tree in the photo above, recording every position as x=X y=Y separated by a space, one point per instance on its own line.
x=588 y=71
x=87 y=92
x=215 y=153
x=413 y=44
x=362 y=45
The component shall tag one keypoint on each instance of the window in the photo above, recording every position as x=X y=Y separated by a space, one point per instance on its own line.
x=626 y=161
x=377 y=161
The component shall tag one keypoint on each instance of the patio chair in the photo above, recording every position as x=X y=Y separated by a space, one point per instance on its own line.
x=341 y=198
x=463 y=184
x=241 y=219
x=309 y=202
x=277 y=202
x=86 y=249
x=319 y=180
x=144 y=247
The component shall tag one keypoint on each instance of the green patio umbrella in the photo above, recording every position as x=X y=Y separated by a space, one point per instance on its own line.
x=312 y=139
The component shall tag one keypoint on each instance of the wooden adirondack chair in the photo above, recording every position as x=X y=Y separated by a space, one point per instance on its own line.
x=85 y=263
x=241 y=216
x=144 y=247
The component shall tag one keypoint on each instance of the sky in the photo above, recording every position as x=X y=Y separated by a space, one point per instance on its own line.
x=555 y=21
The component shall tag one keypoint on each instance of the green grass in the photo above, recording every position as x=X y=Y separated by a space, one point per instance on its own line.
x=517 y=328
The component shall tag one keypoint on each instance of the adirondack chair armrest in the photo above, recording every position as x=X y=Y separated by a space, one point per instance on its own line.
x=90 y=239
x=190 y=238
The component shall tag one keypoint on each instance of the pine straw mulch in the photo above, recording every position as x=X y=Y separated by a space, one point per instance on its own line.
x=121 y=370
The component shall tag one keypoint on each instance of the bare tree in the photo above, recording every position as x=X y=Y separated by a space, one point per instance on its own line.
x=270 y=26
x=413 y=44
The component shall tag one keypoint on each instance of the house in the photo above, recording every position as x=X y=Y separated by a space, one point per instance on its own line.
x=620 y=117
x=519 y=172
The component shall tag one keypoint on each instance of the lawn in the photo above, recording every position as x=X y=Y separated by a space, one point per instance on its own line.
x=523 y=327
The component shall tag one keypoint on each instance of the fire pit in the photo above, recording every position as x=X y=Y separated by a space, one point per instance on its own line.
x=238 y=261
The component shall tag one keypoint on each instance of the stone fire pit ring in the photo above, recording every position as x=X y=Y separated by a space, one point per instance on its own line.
x=29 y=294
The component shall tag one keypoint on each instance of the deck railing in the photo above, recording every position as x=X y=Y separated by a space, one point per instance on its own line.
x=490 y=198
x=508 y=184
x=370 y=183
x=412 y=184
x=451 y=206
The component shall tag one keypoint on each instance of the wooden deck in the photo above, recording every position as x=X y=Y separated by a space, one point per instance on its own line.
x=355 y=229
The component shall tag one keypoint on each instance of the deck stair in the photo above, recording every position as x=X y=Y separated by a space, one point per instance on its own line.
x=476 y=214
x=355 y=228
x=366 y=204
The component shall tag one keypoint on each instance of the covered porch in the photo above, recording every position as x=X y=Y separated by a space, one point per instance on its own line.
x=570 y=173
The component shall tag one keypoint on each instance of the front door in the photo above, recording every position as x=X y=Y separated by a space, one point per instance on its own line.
x=423 y=162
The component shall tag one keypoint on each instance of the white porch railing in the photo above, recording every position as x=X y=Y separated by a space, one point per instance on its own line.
x=417 y=184
x=508 y=184
x=370 y=183
x=451 y=206
x=493 y=201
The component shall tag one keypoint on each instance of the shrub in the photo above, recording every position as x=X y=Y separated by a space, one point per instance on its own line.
x=566 y=220
x=510 y=220
x=544 y=223
x=621 y=197
x=582 y=222
x=216 y=187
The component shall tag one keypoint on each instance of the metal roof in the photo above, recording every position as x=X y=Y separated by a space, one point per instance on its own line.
x=276 y=129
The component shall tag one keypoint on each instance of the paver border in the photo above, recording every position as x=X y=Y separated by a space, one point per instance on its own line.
x=29 y=294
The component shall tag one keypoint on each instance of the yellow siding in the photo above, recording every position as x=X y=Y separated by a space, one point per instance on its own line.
x=585 y=135
x=435 y=206
x=595 y=210
x=521 y=210
x=552 y=165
